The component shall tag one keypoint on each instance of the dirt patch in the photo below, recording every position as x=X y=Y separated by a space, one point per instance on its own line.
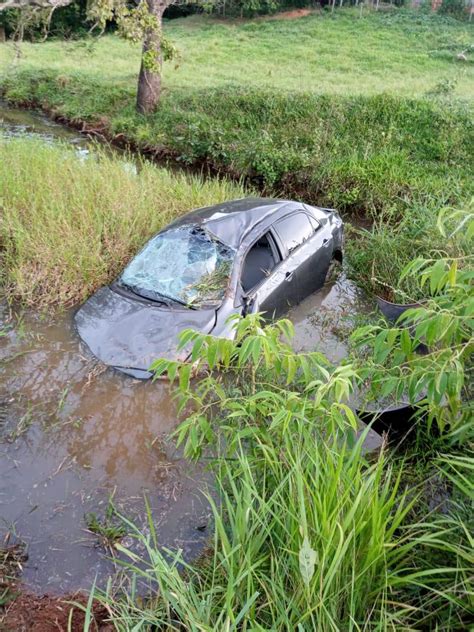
x=291 y=15
x=29 y=613
x=12 y=557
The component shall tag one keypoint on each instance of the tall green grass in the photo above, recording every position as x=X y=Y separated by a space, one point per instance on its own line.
x=378 y=255
x=310 y=531
x=309 y=541
x=68 y=224
x=365 y=155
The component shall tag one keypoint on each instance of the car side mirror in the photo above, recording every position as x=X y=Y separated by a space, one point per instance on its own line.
x=250 y=304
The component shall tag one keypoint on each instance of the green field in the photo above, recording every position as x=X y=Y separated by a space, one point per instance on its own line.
x=397 y=53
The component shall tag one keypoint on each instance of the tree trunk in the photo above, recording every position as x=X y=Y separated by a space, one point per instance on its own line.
x=3 y=37
x=149 y=79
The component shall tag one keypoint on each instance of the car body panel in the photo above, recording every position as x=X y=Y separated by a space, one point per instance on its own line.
x=231 y=221
x=313 y=258
x=128 y=332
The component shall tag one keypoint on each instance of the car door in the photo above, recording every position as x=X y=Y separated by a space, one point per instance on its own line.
x=273 y=291
x=309 y=245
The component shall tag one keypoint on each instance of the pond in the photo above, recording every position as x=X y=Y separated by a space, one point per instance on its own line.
x=74 y=433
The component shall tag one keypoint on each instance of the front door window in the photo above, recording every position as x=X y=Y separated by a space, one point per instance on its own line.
x=259 y=262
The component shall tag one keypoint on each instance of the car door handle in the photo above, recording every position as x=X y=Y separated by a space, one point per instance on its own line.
x=325 y=241
x=288 y=276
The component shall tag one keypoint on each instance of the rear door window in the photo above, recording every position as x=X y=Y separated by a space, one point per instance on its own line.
x=294 y=230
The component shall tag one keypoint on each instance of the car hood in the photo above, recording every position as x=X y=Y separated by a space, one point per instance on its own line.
x=130 y=334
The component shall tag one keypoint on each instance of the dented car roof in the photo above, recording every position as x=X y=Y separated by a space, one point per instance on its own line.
x=231 y=221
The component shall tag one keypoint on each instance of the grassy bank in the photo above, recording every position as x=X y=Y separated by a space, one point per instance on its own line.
x=267 y=100
x=68 y=225
x=364 y=155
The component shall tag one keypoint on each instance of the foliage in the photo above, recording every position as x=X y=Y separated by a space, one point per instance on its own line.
x=110 y=529
x=68 y=225
x=246 y=8
x=378 y=255
x=309 y=534
x=284 y=438
x=211 y=286
x=270 y=386
x=305 y=541
x=437 y=381
x=69 y=21
x=456 y=8
x=442 y=586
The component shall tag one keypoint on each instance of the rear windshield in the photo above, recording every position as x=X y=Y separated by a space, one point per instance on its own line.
x=184 y=265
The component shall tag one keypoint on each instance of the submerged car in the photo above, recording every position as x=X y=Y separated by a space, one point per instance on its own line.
x=248 y=255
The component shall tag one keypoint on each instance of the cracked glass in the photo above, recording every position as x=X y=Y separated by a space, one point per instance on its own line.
x=184 y=265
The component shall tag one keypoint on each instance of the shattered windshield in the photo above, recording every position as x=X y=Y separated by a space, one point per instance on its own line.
x=185 y=265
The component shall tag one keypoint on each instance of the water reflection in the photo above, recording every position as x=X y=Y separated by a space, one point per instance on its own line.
x=87 y=432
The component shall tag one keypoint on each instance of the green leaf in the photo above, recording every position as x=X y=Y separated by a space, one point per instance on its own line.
x=436 y=276
x=197 y=349
x=405 y=342
x=212 y=354
x=452 y=275
x=256 y=348
x=291 y=363
x=184 y=377
x=307 y=558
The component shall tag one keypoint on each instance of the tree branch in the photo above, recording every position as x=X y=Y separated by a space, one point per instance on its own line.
x=38 y=4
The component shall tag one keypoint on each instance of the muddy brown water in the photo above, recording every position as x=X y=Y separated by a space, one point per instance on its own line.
x=74 y=433
x=18 y=123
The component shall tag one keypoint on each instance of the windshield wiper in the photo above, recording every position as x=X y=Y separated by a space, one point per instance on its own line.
x=174 y=299
x=157 y=297
x=141 y=293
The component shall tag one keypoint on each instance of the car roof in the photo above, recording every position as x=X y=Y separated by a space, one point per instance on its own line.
x=231 y=221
